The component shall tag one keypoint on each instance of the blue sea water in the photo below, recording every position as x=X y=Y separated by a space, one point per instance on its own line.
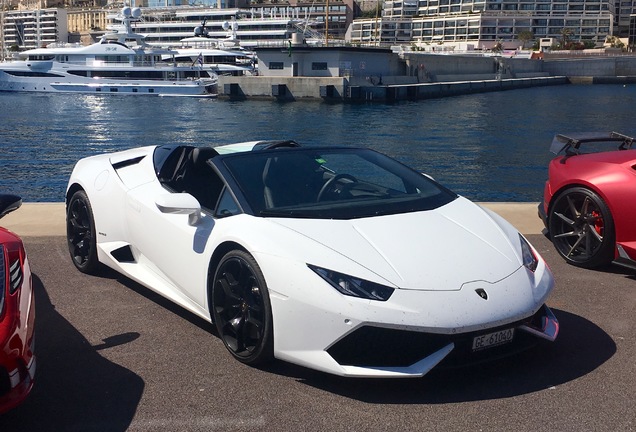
x=487 y=147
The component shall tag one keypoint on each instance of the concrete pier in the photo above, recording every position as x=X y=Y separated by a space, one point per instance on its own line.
x=341 y=90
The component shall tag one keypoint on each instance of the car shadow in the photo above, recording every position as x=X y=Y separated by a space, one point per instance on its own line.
x=580 y=348
x=75 y=387
x=620 y=270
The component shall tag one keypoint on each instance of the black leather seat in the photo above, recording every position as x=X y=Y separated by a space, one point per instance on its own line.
x=200 y=180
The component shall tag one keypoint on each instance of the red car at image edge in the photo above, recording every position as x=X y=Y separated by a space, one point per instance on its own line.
x=589 y=201
x=17 y=315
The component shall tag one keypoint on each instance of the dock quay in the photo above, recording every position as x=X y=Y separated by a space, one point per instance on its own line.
x=49 y=219
x=340 y=89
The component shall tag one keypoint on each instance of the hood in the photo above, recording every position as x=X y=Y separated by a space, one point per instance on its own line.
x=437 y=250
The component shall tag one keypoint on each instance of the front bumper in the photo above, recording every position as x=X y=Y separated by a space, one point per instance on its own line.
x=396 y=342
x=406 y=336
x=381 y=352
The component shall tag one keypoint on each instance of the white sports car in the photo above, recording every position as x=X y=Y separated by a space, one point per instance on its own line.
x=335 y=258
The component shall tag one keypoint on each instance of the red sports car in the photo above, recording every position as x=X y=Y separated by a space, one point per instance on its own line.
x=589 y=201
x=17 y=315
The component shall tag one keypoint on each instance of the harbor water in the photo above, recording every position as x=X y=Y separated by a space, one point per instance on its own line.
x=487 y=147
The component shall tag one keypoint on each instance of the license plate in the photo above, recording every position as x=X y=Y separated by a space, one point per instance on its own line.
x=493 y=339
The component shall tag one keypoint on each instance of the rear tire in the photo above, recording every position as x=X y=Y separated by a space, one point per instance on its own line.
x=80 y=233
x=241 y=308
x=581 y=228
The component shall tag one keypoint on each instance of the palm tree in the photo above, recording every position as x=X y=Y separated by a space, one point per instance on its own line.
x=565 y=36
x=525 y=36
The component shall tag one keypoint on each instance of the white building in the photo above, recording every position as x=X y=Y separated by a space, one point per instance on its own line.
x=28 y=29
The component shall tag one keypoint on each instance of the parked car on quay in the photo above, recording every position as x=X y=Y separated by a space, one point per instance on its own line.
x=339 y=259
x=17 y=315
x=588 y=203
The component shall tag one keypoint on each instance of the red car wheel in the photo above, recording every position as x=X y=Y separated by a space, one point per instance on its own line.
x=581 y=228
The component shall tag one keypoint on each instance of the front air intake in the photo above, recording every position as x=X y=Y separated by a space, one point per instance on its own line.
x=123 y=254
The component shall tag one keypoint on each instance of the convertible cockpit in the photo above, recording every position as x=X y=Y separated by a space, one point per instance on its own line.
x=186 y=169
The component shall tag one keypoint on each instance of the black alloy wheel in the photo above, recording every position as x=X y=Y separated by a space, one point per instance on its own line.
x=241 y=308
x=581 y=228
x=80 y=233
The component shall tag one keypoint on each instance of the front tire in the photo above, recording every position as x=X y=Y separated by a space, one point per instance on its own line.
x=581 y=228
x=241 y=308
x=80 y=233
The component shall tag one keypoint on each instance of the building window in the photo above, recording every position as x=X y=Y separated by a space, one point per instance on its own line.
x=276 y=65
x=319 y=66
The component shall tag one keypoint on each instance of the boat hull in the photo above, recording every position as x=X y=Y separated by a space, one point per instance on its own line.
x=66 y=83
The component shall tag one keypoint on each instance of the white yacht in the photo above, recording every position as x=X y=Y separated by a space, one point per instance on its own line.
x=121 y=62
x=223 y=56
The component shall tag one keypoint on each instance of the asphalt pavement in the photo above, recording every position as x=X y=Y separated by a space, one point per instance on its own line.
x=113 y=356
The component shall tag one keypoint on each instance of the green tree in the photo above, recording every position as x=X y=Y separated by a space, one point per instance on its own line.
x=566 y=33
x=373 y=12
x=525 y=36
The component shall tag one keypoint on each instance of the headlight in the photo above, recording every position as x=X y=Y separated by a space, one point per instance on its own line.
x=530 y=260
x=352 y=286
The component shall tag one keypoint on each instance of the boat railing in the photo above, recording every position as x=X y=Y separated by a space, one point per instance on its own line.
x=64 y=45
x=125 y=64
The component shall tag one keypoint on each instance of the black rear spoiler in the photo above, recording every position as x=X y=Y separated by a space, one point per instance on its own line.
x=571 y=143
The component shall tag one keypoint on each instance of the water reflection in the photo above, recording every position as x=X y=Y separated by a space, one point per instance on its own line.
x=490 y=147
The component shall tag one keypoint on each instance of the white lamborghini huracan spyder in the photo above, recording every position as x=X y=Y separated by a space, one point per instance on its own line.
x=335 y=258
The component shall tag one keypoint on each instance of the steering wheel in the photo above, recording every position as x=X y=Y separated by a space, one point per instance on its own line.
x=331 y=182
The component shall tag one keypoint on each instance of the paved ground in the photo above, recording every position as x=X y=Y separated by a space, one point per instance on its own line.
x=112 y=356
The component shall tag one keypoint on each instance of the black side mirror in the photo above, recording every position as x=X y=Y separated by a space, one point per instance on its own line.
x=8 y=203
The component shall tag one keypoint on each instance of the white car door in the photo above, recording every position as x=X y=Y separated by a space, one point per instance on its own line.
x=169 y=249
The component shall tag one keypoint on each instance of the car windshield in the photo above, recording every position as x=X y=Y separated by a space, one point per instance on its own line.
x=332 y=183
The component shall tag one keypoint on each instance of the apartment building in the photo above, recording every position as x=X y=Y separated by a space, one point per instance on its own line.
x=485 y=23
x=26 y=29
x=623 y=12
